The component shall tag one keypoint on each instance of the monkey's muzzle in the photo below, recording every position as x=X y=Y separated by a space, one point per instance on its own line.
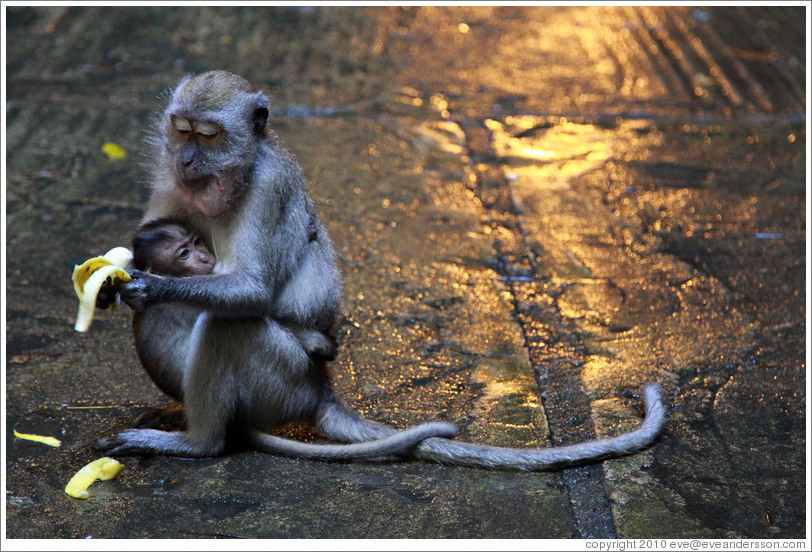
x=197 y=184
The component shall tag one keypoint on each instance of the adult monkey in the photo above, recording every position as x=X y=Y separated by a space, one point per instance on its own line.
x=230 y=344
x=217 y=342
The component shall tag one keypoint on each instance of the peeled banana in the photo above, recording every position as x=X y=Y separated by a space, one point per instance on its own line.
x=89 y=277
x=103 y=468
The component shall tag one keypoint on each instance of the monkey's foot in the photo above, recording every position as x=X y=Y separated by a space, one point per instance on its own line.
x=150 y=442
x=126 y=443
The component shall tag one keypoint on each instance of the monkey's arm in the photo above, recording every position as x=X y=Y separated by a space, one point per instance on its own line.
x=293 y=280
x=235 y=294
x=232 y=294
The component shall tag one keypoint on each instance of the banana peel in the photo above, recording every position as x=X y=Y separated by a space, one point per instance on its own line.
x=89 y=277
x=45 y=440
x=103 y=469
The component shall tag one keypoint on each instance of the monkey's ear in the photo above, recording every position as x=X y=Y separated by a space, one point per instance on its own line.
x=260 y=115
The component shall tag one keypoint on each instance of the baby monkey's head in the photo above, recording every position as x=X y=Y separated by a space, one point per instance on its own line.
x=170 y=248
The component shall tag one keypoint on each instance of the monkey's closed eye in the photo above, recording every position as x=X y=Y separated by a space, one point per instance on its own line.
x=181 y=125
x=206 y=129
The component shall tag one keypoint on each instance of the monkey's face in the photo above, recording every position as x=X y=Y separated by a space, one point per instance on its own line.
x=185 y=255
x=169 y=248
x=212 y=130
x=195 y=257
x=206 y=174
x=195 y=143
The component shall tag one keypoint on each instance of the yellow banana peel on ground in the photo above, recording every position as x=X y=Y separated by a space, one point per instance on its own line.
x=89 y=277
x=45 y=440
x=103 y=469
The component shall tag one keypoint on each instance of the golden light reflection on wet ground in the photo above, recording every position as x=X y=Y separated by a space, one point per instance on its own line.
x=554 y=153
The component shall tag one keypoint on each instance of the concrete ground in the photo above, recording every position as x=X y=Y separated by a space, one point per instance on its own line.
x=537 y=210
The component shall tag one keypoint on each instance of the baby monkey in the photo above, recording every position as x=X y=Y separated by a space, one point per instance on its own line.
x=168 y=247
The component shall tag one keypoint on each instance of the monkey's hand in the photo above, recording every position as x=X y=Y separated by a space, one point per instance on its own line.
x=107 y=298
x=140 y=292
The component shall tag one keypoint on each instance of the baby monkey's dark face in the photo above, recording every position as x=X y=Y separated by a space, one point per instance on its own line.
x=190 y=256
x=173 y=250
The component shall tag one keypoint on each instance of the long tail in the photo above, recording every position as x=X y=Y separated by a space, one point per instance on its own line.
x=483 y=456
x=341 y=423
x=397 y=444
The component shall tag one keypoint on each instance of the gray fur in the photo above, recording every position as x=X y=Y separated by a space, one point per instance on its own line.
x=236 y=364
x=155 y=250
x=381 y=448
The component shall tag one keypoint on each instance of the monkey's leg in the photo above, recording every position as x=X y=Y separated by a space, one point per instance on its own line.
x=206 y=416
x=209 y=392
x=147 y=442
x=204 y=437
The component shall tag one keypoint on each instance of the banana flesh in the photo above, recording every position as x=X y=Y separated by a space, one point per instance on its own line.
x=103 y=469
x=89 y=277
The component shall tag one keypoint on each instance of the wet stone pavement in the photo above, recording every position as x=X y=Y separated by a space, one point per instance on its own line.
x=536 y=210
